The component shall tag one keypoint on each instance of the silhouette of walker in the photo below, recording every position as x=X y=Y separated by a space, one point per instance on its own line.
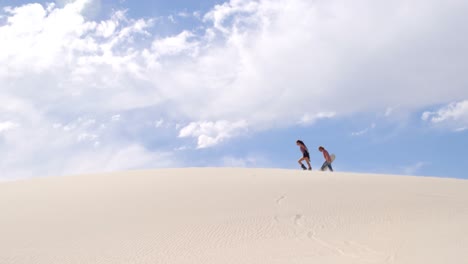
x=328 y=159
x=305 y=155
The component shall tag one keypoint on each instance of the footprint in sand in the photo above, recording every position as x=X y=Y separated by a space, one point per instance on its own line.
x=298 y=219
x=279 y=200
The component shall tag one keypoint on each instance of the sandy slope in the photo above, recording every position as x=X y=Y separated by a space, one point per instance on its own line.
x=234 y=216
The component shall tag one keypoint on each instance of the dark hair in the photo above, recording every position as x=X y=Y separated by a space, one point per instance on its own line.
x=320 y=148
x=300 y=142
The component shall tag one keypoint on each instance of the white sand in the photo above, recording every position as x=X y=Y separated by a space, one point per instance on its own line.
x=234 y=216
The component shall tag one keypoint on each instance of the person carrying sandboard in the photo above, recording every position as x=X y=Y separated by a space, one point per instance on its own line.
x=328 y=159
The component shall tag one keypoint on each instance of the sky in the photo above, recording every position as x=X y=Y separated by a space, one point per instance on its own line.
x=89 y=86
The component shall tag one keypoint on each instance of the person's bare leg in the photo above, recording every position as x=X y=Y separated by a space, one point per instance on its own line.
x=308 y=163
x=300 y=163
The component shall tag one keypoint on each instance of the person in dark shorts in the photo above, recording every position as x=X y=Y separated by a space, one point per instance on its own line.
x=327 y=157
x=305 y=155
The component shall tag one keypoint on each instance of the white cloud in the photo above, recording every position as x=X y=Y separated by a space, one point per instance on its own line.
x=453 y=111
x=174 y=45
x=389 y=111
x=184 y=14
x=246 y=57
x=82 y=146
x=452 y=115
x=8 y=125
x=235 y=9
x=364 y=131
x=243 y=56
x=181 y=148
x=107 y=28
x=197 y=14
x=414 y=168
x=360 y=133
x=88 y=137
x=263 y=62
x=116 y=118
x=308 y=119
x=212 y=133
x=171 y=19
x=244 y=162
x=159 y=123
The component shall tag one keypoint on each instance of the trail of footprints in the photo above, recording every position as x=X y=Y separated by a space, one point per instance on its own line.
x=350 y=249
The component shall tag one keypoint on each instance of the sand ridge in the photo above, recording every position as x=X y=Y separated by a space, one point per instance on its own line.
x=227 y=215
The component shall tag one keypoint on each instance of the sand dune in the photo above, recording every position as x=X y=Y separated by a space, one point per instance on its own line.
x=234 y=216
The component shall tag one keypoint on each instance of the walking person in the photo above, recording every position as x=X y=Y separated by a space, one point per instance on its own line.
x=305 y=155
x=328 y=160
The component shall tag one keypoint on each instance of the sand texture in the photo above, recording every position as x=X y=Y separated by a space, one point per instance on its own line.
x=234 y=216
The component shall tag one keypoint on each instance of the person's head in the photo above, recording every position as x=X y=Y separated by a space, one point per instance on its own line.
x=321 y=148
x=299 y=143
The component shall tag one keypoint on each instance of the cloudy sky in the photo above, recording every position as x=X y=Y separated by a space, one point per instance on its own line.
x=101 y=85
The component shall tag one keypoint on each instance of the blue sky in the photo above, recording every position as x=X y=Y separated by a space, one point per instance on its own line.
x=95 y=86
